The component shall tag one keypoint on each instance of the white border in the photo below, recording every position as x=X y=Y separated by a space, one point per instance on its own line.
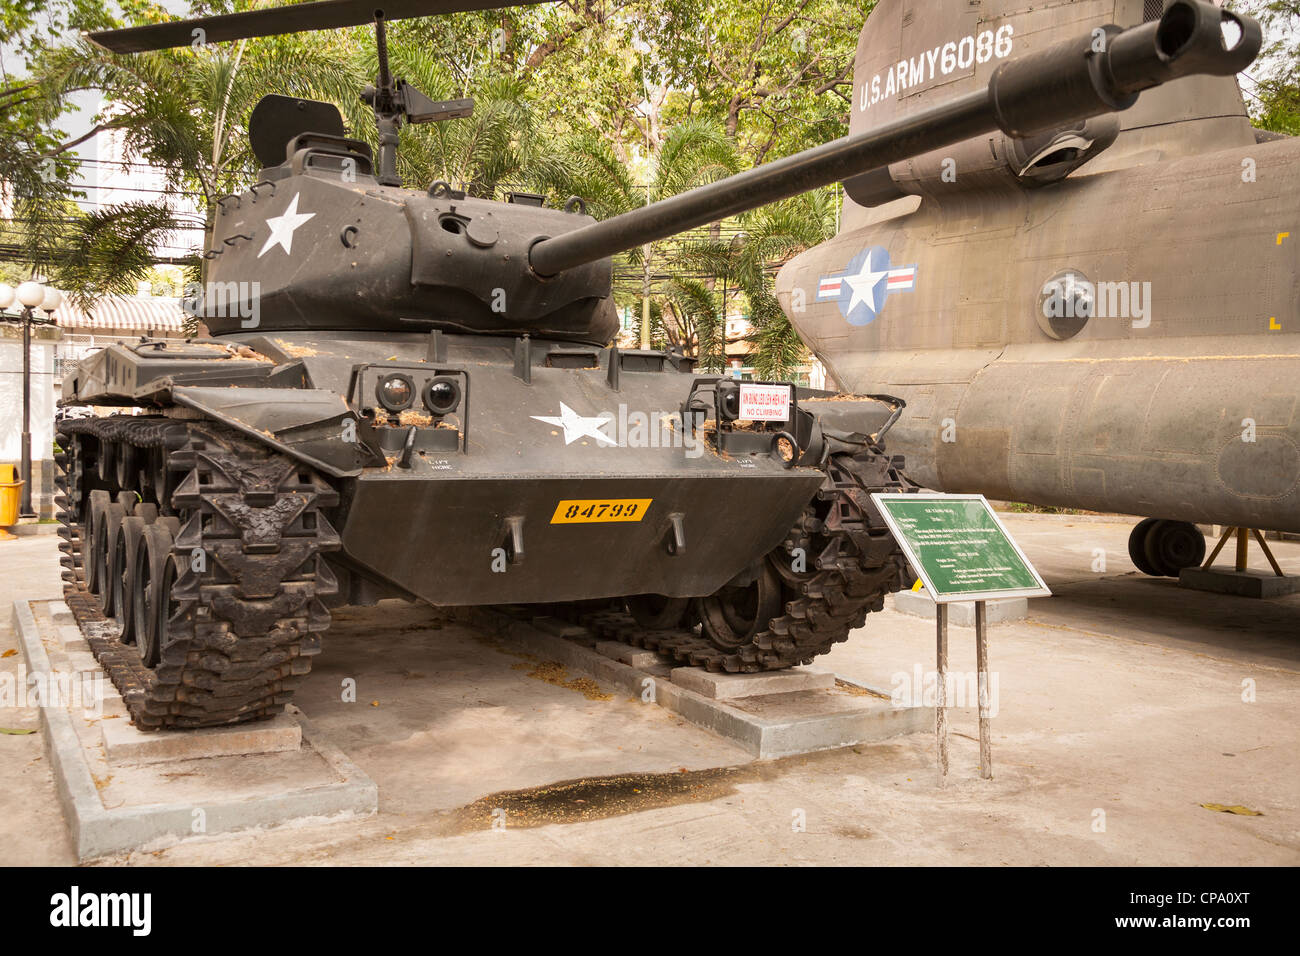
x=939 y=598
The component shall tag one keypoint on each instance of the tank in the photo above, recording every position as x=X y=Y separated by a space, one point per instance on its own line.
x=412 y=394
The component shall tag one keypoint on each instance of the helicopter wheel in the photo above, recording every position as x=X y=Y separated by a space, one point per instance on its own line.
x=1137 y=547
x=733 y=616
x=1174 y=545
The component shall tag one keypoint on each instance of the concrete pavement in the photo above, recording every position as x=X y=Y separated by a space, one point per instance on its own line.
x=1124 y=703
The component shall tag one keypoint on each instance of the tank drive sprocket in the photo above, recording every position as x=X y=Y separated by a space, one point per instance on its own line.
x=220 y=560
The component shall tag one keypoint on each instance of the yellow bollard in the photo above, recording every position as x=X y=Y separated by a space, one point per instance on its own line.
x=10 y=492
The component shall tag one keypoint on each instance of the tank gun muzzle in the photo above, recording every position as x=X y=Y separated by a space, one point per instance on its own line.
x=1107 y=69
x=1100 y=72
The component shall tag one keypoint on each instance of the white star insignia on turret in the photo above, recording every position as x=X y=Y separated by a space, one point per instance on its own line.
x=282 y=227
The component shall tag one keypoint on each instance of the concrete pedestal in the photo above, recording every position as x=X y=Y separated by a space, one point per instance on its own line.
x=775 y=714
x=122 y=789
x=1227 y=580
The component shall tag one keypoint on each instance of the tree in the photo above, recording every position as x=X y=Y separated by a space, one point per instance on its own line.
x=35 y=174
x=1275 y=103
x=692 y=153
x=773 y=234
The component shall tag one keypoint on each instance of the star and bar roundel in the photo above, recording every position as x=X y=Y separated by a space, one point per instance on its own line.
x=862 y=288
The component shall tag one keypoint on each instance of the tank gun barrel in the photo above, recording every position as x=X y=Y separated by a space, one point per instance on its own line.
x=1099 y=72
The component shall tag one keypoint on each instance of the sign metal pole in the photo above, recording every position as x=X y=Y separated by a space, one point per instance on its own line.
x=941 y=688
x=982 y=669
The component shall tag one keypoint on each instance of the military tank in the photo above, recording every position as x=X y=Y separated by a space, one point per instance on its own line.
x=412 y=393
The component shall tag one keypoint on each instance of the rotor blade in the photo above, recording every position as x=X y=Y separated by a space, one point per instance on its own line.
x=297 y=18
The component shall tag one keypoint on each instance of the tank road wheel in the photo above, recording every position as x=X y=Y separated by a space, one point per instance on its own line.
x=96 y=513
x=105 y=539
x=1137 y=547
x=129 y=533
x=126 y=471
x=1174 y=545
x=160 y=479
x=732 y=617
x=106 y=462
x=656 y=610
x=151 y=591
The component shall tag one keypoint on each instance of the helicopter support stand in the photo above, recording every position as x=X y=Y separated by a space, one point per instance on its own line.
x=1241 y=581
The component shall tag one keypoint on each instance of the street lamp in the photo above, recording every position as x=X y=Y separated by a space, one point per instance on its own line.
x=31 y=296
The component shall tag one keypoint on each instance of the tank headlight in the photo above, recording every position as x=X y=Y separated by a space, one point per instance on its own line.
x=441 y=395
x=395 y=392
x=728 y=401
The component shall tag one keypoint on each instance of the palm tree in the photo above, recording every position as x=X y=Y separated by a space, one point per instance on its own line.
x=184 y=111
x=693 y=153
x=774 y=234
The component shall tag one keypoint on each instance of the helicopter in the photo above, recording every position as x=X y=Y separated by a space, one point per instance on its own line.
x=1099 y=316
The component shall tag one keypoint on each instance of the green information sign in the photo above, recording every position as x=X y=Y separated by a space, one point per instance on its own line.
x=959 y=547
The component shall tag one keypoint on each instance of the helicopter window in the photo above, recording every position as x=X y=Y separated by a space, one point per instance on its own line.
x=1065 y=304
x=1067 y=155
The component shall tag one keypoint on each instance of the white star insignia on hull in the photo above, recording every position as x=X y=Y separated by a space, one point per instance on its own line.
x=576 y=426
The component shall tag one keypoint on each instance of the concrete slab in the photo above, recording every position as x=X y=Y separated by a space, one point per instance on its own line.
x=559 y=628
x=729 y=686
x=962 y=613
x=125 y=744
x=70 y=638
x=112 y=808
x=81 y=662
x=767 y=726
x=60 y=614
x=637 y=657
x=1248 y=583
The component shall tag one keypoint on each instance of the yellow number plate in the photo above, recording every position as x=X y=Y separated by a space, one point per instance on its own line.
x=587 y=510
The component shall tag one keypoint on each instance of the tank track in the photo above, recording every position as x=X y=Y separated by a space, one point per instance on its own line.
x=853 y=559
x=247 y=617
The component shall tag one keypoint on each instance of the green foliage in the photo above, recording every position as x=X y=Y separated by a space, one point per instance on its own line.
x=109 y=251
x=1275 y=104
x=772 y=235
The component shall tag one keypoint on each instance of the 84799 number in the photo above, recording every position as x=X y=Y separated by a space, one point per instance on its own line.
x=587 y=510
